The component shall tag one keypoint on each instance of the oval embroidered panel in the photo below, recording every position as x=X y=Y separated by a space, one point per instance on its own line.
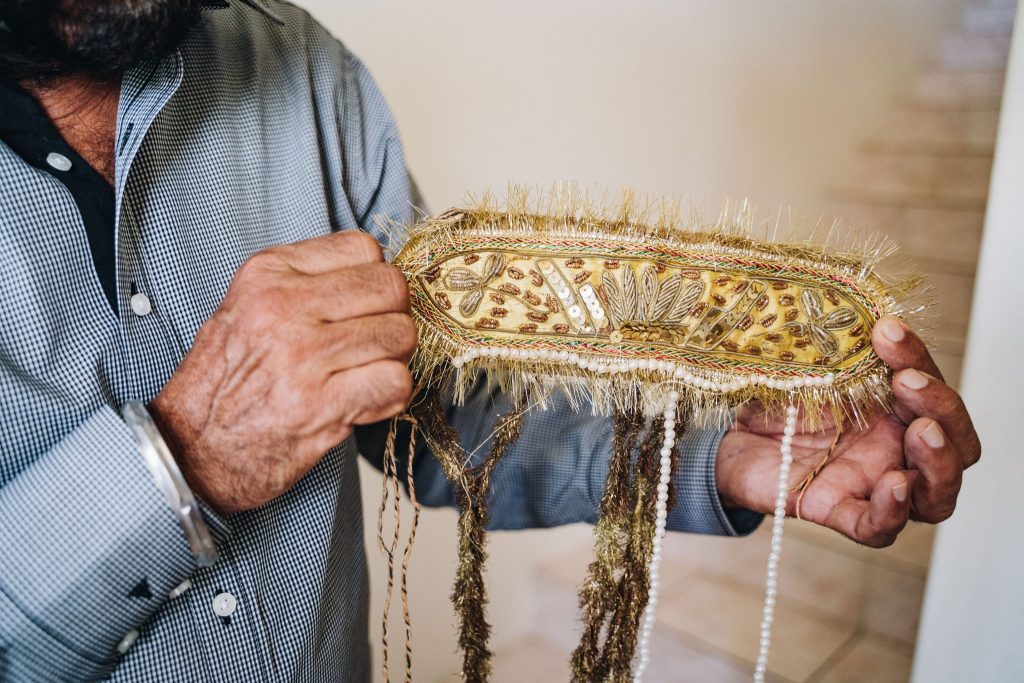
x=651 y=301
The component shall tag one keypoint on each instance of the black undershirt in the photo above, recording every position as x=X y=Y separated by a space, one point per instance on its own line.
x=28 y=131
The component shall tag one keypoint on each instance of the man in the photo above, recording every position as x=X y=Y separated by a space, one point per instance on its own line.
x=180 y=184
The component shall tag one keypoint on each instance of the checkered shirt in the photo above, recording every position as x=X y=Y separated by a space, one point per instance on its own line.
x=260 y=129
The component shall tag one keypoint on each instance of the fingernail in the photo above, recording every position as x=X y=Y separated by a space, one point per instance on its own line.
x=899 y=492
x=912 y=379
x=932 y=435
x=892 y=329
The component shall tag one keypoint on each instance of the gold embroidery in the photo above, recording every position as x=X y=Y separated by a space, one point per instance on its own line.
x=642 y=305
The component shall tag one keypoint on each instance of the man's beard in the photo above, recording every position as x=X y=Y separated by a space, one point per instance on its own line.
x=45 y=39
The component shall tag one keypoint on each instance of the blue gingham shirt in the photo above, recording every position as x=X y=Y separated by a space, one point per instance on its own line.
x=260 y=129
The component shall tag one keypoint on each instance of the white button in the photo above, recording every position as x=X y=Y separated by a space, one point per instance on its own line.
x=140 y=304
x=224 y=604
x=128 y=640
x=58 y=161
x=180 y=589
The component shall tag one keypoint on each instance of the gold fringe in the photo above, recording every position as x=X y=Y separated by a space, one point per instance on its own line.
x=567 y=212
x=614 y=596
x=472 y=486
x=597 y=594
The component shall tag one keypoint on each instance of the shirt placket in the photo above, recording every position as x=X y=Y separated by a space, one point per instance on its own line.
x=221 y=601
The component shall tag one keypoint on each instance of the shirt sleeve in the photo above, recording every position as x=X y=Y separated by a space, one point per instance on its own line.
x=556 y=471
x=91 y=549
x=376 y=182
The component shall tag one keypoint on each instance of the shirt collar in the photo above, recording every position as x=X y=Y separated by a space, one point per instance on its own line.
x=264 y=7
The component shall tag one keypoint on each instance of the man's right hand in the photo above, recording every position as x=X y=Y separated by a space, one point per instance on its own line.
x=311 y=339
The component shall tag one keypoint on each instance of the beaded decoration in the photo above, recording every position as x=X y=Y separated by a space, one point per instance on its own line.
x=657 y=321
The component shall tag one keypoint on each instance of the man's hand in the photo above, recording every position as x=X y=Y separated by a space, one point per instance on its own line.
x=907 y=464
x=311 y=339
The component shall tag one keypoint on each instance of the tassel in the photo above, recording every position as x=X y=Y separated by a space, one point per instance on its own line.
x=597 y=594
x=390 y=493
x=614 y=595
x=472 y=487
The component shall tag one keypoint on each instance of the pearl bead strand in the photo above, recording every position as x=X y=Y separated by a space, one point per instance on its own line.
x=661 y=517
x=612 y=365
x=772 y=581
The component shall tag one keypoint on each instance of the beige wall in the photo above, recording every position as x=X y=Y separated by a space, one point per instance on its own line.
x=705 y=98
x=973 y=621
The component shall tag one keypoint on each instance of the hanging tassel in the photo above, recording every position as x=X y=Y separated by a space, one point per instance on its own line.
x=390 y=493
x=634 y=584
x=614 y=596
x=472 y=486
x=597 y=594
x=407 y=556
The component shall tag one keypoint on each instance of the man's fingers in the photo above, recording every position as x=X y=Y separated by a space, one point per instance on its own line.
x=876 y=522
x=900 y=348
x=352 y=343
x=349 y=293
x=940 y=471
x=330 y=252
x=369 y=393
x=927 y=396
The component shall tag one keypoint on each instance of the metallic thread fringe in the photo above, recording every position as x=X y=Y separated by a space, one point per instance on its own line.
x=614 y=596
x=568 y=212
x=472 y=486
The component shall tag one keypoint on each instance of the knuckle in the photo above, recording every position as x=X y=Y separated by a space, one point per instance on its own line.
x=937 y=514
x=881 y=540
x=973 y=454
x=397 y=386
x=364 y=244
x=395 y=283
x=946 y=509
x=407 y=334
x=951 y=405
x=260 y=264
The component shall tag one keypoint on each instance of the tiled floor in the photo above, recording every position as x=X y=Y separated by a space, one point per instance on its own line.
x=845 y=612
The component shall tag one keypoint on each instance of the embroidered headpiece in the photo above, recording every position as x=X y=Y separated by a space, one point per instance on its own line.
x=659 y=322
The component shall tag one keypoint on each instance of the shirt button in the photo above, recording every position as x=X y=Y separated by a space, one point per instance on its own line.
x=224 y=604
x=140 y=304
x=58 y=161
x=128 y=640
x=180 y=589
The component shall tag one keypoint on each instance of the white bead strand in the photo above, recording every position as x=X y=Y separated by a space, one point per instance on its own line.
x=772 y=581
x=661 y=517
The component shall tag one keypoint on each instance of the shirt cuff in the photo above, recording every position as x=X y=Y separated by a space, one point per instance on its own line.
x=91 y=548
x=699 y=508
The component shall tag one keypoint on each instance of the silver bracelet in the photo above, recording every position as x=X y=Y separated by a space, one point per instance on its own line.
x=170 y=481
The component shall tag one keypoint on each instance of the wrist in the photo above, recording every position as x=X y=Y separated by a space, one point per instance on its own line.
x=176 y=432
x=728 y=473
x=172 y=416
x=169 y=480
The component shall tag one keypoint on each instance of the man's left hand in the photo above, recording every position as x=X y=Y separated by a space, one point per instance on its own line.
x=896 y=466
